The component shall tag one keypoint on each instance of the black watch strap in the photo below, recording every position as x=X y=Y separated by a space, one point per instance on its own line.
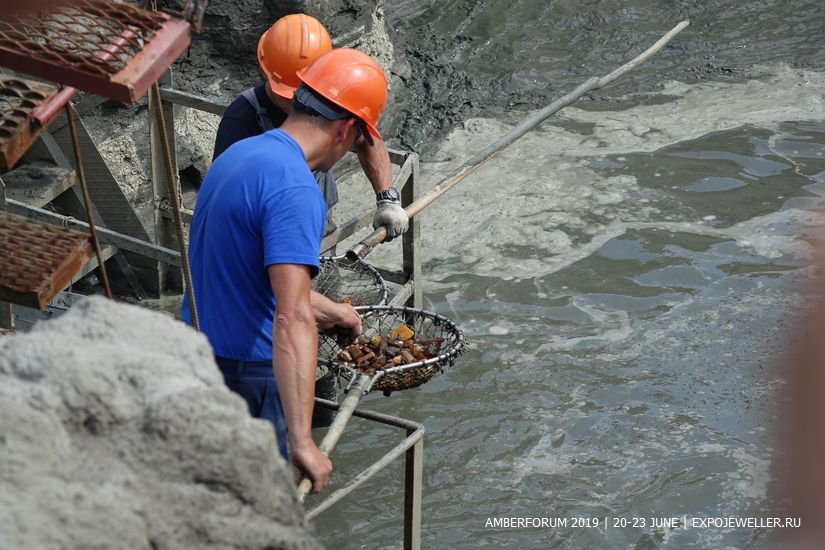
x=390 y=194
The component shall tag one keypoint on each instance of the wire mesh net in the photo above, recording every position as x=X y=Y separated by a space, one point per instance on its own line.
x=95 y=36
x=430 y=329
x=352 y=281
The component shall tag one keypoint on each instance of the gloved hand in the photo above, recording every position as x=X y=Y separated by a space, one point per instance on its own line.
x=392 y=216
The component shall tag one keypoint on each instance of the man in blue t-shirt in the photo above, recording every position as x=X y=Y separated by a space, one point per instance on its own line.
x=288 y=46
x=254 y=243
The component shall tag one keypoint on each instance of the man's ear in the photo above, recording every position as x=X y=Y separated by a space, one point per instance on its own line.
x=344 y=128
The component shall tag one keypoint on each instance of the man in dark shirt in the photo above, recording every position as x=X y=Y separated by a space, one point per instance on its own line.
x=286 y=48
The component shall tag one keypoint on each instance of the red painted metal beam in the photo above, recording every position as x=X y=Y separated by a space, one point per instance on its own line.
x=154 y=59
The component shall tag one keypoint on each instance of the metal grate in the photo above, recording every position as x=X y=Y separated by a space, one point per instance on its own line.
x=112 y=49
x=20 y=99
x=38 y=259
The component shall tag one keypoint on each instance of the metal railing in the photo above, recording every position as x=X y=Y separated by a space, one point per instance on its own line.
x=412 y=447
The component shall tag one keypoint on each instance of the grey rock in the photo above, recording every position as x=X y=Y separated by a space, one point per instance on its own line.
x=116 y=431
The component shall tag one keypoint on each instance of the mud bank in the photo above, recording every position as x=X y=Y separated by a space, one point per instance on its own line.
x=118 y=432
x=496 y=59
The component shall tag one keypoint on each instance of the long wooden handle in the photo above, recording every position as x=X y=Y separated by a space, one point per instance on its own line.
x=375 y=238
x=342 y=417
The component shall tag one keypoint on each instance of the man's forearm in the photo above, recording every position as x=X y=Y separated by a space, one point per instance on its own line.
x=294 y=343
x=375 y=161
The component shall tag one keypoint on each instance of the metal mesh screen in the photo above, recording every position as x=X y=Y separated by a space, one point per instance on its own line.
x=95 y=36
x=19 y=98
x=38 y=259
x=89 y=42
x=353 y=281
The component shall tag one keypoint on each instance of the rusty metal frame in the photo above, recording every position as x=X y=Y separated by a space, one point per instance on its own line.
x=37 y=104
x=120 y=50
x=39 y=260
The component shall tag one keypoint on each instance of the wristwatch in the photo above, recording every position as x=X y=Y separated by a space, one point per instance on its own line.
x=390 y=194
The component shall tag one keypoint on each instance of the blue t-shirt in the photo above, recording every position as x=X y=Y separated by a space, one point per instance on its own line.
x=258 y=205
x=240 y=121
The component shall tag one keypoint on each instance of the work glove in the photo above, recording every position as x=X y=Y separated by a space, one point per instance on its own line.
x=390 y=214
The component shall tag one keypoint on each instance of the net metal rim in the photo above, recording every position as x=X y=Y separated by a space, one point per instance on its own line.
x=344 y=262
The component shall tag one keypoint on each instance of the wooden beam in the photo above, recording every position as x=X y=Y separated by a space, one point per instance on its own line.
x=392 y=276
x=6 y=313
x=22 y=186
x=411 y=240
x=165 y=230
x=413 y=482
x=185 y=213
x=202 y=103
x=396 y=156
x=106 y=252
x=404 y=294
x=347 y=229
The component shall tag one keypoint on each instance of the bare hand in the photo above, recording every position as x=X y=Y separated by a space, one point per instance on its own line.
x=349 y=319
x=329 y=314
x=314 y=464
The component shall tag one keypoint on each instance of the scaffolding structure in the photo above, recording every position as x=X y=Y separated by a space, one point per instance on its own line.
x=118 y=51
x=111 y=49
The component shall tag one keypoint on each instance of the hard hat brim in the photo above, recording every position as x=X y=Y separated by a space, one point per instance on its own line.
x=373 y=132
x=281 y=89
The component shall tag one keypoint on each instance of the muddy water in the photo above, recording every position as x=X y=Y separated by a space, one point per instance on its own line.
x=626 y=275
x=463 y=58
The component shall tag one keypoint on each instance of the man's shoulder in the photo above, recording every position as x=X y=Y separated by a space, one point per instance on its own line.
x=239 y=109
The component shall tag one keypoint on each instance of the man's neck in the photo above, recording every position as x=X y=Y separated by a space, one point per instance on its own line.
x=283 y=104
x=313 y=142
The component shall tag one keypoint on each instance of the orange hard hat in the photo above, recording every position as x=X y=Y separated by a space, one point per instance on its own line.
x=352 y=80
x=291 y=44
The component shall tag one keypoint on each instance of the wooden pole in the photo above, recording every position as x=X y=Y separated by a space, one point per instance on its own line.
x=375 y=238
x=356 y=392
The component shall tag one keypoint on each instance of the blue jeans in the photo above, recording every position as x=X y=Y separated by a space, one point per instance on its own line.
x=255 y=382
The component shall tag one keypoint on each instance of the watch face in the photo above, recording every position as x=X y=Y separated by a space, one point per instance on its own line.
x=391 y=194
